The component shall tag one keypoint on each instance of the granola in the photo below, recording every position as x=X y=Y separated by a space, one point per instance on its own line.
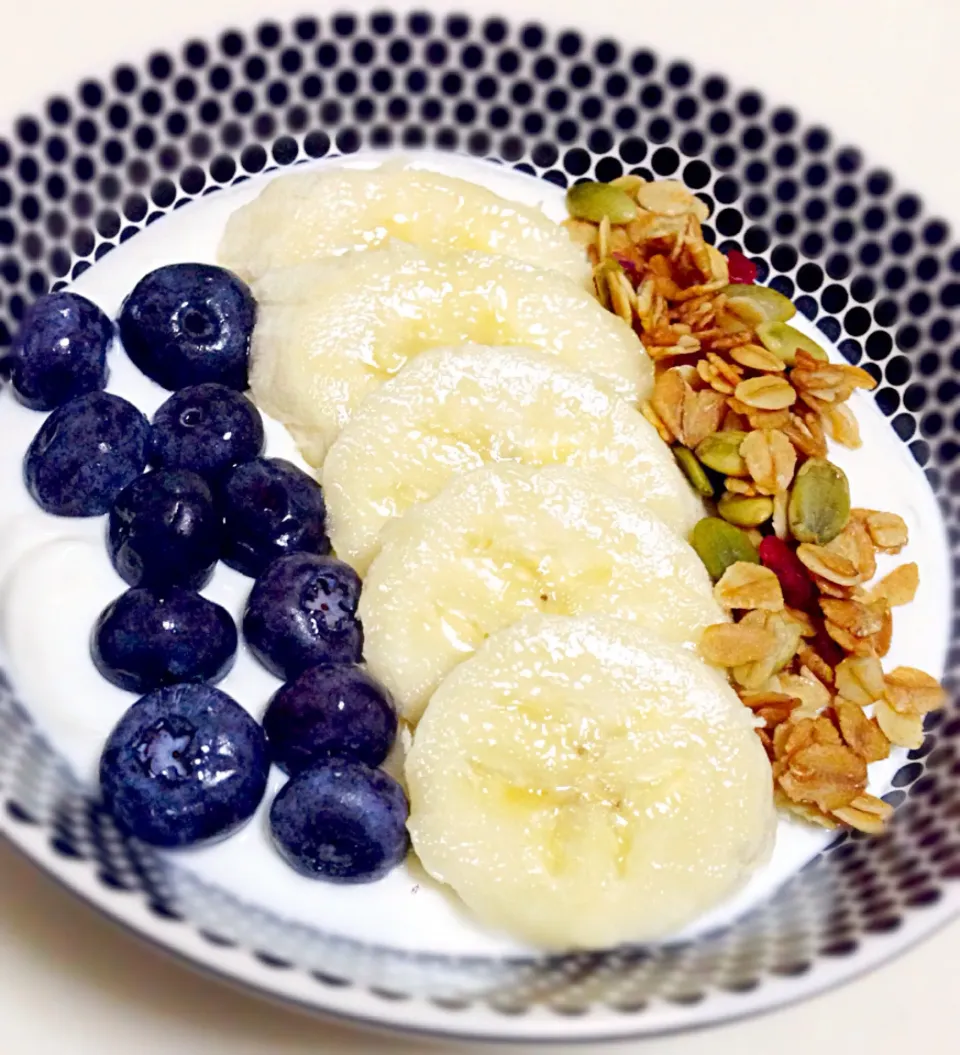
x=749 y=401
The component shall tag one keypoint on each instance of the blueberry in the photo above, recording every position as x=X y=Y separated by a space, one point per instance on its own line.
x=330 y=712
x=270 y=508
x=301 y=612
x=164 y=530
x=184 y=764
x=85 y=454
x=60 y=351
x=144 y=640
x=185 y=324
x=341 y=821
x=207 y=429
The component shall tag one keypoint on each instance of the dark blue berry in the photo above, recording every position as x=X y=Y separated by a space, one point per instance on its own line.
x=330 y=712
x=144 y=639
x=206 y=429
x=185 y=324
x=341 y=821
x=270 y=508
x=183 y=765
x=164 y=531
x=60 y=351
x=301 y=612
x=85 y=454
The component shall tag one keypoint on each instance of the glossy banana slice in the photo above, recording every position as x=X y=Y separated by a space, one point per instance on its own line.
x=580 y=784
x=454 y=410
x=306 y=215
x=505 y=541
x=330 y=332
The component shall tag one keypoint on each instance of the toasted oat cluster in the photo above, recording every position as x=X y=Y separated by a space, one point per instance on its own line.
x=747 y=402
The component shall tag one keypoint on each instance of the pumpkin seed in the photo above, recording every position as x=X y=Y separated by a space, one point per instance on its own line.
x=670 y=198
x=720 y=544
x=720 y=451
x=693 y=471
x=745 y=511
x=758 y=304
x=819 y=505
x=785 y=341
x=594 y=201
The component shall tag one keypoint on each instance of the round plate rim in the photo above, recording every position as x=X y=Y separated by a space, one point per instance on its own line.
x=241 y=970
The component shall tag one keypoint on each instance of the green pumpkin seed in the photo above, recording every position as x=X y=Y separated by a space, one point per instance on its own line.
x=693 y=471
x=744 y=511
x=819 y=505
x=785 y=341
x=719 y=544
x=720 y=451
x=758 y=304
x=594 y=201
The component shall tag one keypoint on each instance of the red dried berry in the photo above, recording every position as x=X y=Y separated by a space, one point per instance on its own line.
x=825 y=647
x=795 y=582
x=742 y=271
x=628 y=265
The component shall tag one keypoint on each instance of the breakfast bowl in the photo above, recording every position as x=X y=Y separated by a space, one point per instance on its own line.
x=143 y=167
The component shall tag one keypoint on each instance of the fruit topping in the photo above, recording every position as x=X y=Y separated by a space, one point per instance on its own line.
x=164 y=531
x=301 y=612
x=60 y=351
x=451 y=410
x=184 y=764
x=330 y=712
x=270 y=508
x=798 y=589
x=145 y=639
x=85 y=454
x=341 y=821
x=207 y=429
x=741 y=269
x=329 y=333
x=577 y=755
x=185 y=324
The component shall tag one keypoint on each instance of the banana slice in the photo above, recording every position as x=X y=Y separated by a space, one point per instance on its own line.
x=312 y=214
x=453 y=410
x=504 y=541
x=330 y=332
x=580 y=784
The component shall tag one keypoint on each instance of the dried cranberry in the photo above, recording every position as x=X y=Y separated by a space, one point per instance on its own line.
x=798 y=589
x=742 y=270
x=630 y=266
x=824 y=645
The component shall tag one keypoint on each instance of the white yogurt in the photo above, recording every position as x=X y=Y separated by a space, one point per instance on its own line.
x=55 y=578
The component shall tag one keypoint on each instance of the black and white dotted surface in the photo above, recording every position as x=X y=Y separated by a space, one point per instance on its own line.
x=858 y=255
